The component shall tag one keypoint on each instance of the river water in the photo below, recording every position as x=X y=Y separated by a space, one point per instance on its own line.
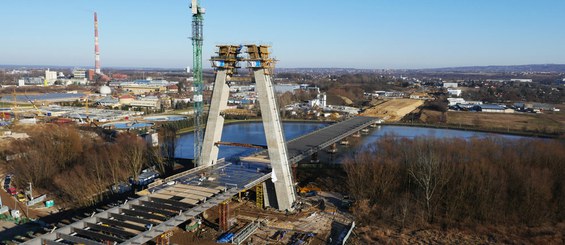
x=252 y=133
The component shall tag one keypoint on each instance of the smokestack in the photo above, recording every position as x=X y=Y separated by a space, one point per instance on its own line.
x=96 y=48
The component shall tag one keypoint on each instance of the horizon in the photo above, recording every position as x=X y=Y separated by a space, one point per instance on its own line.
x=2 y=66
x=365 y=35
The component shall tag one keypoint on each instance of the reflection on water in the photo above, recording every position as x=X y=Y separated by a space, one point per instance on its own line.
x=411 y=132
x=252 y=133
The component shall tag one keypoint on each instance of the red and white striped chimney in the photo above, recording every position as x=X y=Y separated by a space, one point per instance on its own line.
x=96 y=48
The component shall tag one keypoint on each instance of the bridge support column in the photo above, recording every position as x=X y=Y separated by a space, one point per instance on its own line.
x=333 y=148
x=315 y=158
x=357 y=134
x=215 y=122
x=225 y=64
x=262 y=65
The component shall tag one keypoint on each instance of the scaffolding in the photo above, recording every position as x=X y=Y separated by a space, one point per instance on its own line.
x=197 y=40
x=223 y=209
x=259 y=195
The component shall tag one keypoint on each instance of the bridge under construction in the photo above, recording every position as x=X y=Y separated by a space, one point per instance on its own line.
x=181 y=198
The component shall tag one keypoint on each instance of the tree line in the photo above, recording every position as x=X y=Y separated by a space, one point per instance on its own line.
x=457 y=181
x=75 y=166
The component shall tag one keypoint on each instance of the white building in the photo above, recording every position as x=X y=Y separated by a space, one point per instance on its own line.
x=149 y=101
x=474 y=102
x=455 y=101
x=79 y=73
x=319 y=101
x=522 y=80
x=450 y=85
x=50 y=77
x=454 y=92
x=283 y=88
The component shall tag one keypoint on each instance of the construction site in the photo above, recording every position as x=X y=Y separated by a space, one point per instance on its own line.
x=245 y=202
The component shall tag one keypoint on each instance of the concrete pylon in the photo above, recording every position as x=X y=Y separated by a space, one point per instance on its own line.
x=215 y=123
x=276 y=144
x=261 y=65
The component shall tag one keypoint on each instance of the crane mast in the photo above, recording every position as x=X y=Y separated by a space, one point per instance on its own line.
x=197 y=40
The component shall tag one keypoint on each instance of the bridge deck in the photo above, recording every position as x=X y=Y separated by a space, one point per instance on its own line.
x=141 y=220
x=306 y=145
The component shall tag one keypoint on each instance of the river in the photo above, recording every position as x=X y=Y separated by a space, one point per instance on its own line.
x=252 y=133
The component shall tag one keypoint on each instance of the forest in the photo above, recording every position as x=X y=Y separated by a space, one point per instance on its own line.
x=458 y=182
x=77 y=166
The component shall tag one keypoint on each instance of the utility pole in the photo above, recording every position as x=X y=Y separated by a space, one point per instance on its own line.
x=197 y=40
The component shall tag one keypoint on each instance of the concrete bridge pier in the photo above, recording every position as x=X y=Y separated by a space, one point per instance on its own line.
x=332 y=149
x=315 y=158
x=356 y=134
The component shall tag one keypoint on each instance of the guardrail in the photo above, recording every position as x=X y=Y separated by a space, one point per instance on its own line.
x=191 y=171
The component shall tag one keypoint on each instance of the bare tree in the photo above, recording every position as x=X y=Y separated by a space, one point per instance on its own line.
x=133 y=148
x=425 y=171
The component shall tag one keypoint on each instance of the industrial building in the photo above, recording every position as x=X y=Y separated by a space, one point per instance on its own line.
x=450 y=85
x=43 y=98
x=492 y=108
x=454 y=92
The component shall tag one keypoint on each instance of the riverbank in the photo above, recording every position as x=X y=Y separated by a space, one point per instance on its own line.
x=475 y=129
x=548 y=124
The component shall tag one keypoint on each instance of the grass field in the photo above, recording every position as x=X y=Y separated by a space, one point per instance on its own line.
x=544 y=123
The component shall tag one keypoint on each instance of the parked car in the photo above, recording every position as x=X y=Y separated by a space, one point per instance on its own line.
x=21 y=197
x=12 y=191
x=7 y=181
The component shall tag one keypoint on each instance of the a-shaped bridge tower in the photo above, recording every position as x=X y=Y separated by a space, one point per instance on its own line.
x=261 y=65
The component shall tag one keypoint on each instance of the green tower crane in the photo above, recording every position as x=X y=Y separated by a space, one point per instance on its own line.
x=197 y=39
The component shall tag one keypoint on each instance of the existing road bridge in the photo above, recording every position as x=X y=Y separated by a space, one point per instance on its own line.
x=309 y=144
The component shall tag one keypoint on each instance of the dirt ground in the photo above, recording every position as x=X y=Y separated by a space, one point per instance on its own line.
x=311 y=219
x=393 y=110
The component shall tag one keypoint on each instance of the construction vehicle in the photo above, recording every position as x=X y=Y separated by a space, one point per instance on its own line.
x=39 y=112
x=309 y=190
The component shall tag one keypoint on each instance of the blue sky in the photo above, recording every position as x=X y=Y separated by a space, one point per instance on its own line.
x=376 y=34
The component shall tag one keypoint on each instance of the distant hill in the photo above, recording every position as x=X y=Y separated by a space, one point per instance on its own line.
x=514 y=68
